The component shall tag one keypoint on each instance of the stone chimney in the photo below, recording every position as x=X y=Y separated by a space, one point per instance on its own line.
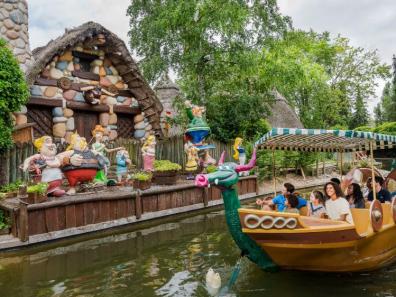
x=14 y=29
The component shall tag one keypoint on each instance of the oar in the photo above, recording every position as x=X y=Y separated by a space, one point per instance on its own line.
x=233 y=278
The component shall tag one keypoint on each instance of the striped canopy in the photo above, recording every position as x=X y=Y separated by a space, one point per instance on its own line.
x=320 y=140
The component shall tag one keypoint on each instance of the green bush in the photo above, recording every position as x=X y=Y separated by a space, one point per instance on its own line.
x=4 y=221
x=386 y=128
x=11 y=187
x=40 y=188
x=166 y=165
x=364 y=129
x=142 y=176
x=14 y=92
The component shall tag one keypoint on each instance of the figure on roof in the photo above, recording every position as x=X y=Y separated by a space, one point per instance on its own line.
x=197 y=128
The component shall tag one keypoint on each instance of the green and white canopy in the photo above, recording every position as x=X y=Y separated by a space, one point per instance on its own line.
x=320 y=140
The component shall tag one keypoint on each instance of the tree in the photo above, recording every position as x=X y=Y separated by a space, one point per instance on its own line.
x=13 y=93
x=360 y=115
x=388 y=99
x=214 y=48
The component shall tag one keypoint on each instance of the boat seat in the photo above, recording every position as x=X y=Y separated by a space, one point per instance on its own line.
x=361 y=218
x=387 y=212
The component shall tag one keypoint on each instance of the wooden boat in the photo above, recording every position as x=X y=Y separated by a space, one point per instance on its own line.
x=292 y=241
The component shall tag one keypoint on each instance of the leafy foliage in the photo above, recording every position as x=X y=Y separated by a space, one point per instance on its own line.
x=166 y=165
x=13 y=93
x=142 y=176
x=4 y=221
x=40 y=188
x=12 y=187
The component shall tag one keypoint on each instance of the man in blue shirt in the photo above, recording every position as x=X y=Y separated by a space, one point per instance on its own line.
x=383 y=195
x=279 y=201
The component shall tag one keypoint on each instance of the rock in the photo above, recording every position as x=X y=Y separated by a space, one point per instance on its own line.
x=45 y=73
x=97 y=63
x=69 y=94
x=104 y=82
x=56 y=73
x=9 y=24
x=20 y=119
x=108 y=71
x=147 y=134
x=113 y=119
x=95 y=70
x=67 y=112
x=9 y=7
x=50 y=91
x=59 y=120
x=140 y=126
x=112 y=127
x=70 y=67
x=119 y=85
x=121 y=98
x=127 y=102
x=61 y=65
x=21 y=59
x=102 y=71
x=139 y=134
x=135 y=103
x=94 y=82
x=12 y=34
x=18 y=17
x=17 y=28
x=66 y=56
x=77 y=66
x=36 y=91
x=148 y=127
x=79 y=97
x=57 y=112
x=22 y=110
x=113 y=134
x=113 y=70
x=104 y=119
x=68 y=136
x=138 y=118
x=113 y=79
x=110 y=100
x=70 y=124
x=19 y=43
x=59 y=130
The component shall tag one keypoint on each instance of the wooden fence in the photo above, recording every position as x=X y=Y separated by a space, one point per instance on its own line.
x=168 y=149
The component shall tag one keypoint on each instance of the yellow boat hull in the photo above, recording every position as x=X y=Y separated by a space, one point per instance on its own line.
x=322 y=245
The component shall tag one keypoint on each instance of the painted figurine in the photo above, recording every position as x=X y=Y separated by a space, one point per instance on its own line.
x=123 y=160
x=46 y=165
x=80 y=164
x=197 y=128
x=205 y=159
x=192 y=159
x=148 y=152
x=239 y=154
x=99 y=149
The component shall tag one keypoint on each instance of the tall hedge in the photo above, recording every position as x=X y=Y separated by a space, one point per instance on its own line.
x=14 y=92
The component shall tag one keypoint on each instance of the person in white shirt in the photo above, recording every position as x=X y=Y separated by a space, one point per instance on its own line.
x=337 y=207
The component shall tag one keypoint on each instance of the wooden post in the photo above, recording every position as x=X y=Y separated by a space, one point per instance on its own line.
x=274 y=171
x=23 y=228
x=341 y=161
x=138 y=205
x=317 y=165
x=323 y=165
x=205 y=196
x=372 y=171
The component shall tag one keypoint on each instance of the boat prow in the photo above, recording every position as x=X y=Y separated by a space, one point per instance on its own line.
x=299 y=242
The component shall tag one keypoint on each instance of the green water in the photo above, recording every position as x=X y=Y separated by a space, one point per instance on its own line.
x=167 y=260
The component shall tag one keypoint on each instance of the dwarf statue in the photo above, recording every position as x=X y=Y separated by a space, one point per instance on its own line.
x=46 y=165
x=79 y=163
x=123 y=160
x=148 y=152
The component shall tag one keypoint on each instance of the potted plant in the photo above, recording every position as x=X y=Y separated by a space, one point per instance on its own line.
x=4 y=223
x=10 y=190
x=37 y=193
x=165 y=172
x=142 y=180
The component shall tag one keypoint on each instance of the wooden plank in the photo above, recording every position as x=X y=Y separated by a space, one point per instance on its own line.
x=79 y=210
x=84 y=55
x=138 y=205
x=71 y=221
x=162 y=201
x=113 y=210
x=96 y=211
x=130 y=206
x=61 y=218
x=37 y=222
x=23 y=221
x=51 y=219
x=104 y=211
x=122 y=209
x=86 y=75
x=150 y=203
x=46 y=82
x=89 y=213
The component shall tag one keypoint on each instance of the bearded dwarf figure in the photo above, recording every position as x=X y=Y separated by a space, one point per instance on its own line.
x=46 y=165
x=79 y=164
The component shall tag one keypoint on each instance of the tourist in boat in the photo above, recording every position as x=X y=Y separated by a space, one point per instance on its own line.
x=335 y=180
x=337 y=207
x=367 y=188
x=355 y=196
x=316 y=205
x=292 y=204
x=383 y=195
x=279 y=201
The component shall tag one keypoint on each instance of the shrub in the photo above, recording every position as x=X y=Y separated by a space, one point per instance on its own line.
x=142 y=176
x=166 y=165
x=4 y=221
x=11 y=187
x=14 y=92
x=40 y=188
x=386 y=128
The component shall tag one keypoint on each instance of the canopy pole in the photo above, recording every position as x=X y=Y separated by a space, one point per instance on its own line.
x=317 y=163
x=273 y=171
x=341 y=162
x=372 y=171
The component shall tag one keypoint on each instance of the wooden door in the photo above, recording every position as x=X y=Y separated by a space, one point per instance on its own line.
x=42 y=117
x=85 y=122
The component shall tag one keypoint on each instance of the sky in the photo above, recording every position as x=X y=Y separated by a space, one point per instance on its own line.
x=367 y=23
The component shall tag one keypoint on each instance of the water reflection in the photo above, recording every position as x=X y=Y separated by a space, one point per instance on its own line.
x=168 y=260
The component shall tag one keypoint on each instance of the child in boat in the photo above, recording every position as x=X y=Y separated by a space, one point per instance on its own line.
x=291 y=204
x=279 y=201
x=355 y=196
x=337 y=207
x=316 y=206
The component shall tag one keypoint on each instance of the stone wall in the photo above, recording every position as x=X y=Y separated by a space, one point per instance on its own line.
x=14 y=29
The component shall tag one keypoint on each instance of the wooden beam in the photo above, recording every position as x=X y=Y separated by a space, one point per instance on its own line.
x=84 y=55
x=86 y=75
x=83 y=106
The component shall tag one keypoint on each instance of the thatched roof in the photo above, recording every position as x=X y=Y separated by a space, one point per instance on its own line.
x=116 y=50
x=282 y=115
